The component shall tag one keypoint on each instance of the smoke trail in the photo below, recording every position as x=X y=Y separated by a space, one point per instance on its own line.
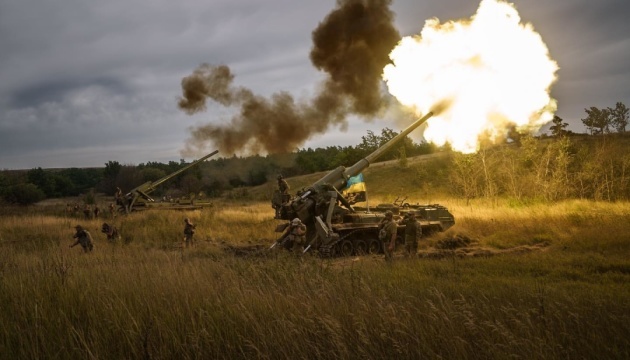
x=351 y=46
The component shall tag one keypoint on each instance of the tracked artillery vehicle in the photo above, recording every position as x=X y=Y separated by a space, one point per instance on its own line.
x=335 y=227
x=138 y=198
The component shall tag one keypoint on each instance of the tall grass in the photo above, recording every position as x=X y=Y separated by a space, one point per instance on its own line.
x=148 y=297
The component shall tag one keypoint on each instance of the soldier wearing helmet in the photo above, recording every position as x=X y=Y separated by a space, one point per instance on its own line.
x=294 y=237
x=283 y=185
x=83 y=238
x=387 y=234
x=413 y=233
x=280 y=196
x=189 y=231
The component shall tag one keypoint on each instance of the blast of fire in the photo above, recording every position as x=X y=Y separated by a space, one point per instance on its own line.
x=494 y=72
x=351 y=46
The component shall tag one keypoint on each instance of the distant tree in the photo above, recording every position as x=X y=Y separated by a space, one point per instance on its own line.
x=24 y=194
x=112 y=168
x=152 y=174
x=619 y=117
x=558 y=129
x=43 y=180
x=597 y=121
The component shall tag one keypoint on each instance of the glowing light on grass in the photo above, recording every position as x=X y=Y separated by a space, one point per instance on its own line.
x=493 y=70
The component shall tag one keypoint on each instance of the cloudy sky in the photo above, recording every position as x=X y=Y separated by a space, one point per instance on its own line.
x=83 y=82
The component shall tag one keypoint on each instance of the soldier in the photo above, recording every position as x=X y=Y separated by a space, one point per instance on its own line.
x=118 y=196
x=283 y=185
x=387 y=234
x=111 y=232
x=97 y=211
x=83 y=238
x=189 y=231
x=112 y=210
x=413 y=234
x=87 y=211
x=294 y=237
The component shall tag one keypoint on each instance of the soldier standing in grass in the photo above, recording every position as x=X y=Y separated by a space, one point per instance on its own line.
x=87 y=211
x=413 y=234
x=189 y=231
x=387 y=234
x=83 y=238
x=112 y=210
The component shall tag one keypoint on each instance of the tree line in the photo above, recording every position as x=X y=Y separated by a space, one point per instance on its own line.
x=529 y=167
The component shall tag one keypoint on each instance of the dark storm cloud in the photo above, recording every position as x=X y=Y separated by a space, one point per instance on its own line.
x=82 y=82
x=55 y=91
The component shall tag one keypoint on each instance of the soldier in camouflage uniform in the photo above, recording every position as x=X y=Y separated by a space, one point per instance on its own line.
x=189 y=231
x=111 y=232
x=83 y=238
x=283 y=185
x=387 y=234
x=413 y=234
x=294 y=237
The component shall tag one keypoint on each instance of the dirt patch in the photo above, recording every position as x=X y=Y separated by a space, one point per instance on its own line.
x=462 y=246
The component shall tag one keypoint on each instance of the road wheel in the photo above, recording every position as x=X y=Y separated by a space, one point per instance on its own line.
x=345 y=248
x=374 y=246
x=360 y=247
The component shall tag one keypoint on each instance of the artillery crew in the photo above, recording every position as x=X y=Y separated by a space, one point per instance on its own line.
x=111 y=232
x=189 y=231
x=413 y=233
x=294 y=237
x=387 y=234
x=283 y=185
x=83 y=238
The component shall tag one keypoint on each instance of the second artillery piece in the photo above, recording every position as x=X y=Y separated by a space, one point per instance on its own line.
x=138 y=198
x=334 y=227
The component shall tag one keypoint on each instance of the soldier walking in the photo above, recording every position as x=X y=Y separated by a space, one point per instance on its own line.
x=189 y=231
x=83 y=238
x=387 y=235
x=111 y=232
x=413 y=234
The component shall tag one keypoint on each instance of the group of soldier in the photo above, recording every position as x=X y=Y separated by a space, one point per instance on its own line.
x=84 y=238
x=294 y=237
x=89 y=212
x=388 y=231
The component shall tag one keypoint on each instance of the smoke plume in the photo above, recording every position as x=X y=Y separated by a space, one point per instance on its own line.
x=351 y=46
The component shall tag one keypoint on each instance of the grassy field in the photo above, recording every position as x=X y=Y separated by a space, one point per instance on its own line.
x=539 y=281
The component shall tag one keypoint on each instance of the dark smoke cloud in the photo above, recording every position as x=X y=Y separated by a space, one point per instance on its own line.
x=351 y=46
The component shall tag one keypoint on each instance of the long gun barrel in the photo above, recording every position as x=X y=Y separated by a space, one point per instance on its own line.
x=339 y=176
x=145 y=189
x=158 y=182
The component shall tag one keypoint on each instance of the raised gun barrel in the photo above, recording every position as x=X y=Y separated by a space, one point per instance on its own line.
x=340 y=175
x=145 y=189
x=316 y=204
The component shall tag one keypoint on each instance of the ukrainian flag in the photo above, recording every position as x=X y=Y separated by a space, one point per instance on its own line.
x=355 y=190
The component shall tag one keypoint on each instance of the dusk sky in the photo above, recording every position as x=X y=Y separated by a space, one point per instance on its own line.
x=86 y=82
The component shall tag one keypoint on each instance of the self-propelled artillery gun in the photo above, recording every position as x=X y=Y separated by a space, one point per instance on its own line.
x=138 y=198
x=335 y=227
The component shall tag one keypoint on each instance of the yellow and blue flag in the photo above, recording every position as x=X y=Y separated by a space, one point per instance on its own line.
x=355 y=190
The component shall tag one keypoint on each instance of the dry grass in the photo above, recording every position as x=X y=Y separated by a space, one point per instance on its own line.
x=226 y=298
